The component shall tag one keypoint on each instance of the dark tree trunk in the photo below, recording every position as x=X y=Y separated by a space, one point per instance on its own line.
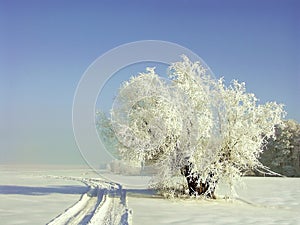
x=196 y=185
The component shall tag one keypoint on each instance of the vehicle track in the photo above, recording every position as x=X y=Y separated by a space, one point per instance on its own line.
x=103 y=203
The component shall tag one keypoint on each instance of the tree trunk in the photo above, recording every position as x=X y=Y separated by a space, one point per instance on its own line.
x=195 y=183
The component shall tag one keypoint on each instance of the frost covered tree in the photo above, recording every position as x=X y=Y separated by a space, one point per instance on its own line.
x=282 y=153
x=245 y=127
x=193 y=129
x=107 y=134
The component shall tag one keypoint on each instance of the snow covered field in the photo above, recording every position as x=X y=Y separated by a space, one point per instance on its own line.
x=28 y=197
x=51 y=195
x=261 y=201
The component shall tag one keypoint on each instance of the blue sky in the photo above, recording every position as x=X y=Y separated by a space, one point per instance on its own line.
x=45 y=47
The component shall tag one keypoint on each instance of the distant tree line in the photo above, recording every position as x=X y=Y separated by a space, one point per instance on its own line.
x=282 y=152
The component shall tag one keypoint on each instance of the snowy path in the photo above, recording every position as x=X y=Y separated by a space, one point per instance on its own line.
x=104 y=203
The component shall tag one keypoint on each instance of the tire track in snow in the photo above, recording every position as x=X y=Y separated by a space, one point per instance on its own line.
x=104 y=203
x=88 y=208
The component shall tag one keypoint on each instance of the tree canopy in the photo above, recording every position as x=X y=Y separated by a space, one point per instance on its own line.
x=191 y=119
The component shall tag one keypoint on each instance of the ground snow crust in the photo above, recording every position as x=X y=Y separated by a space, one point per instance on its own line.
x=32 y=197
x=261 y=200
x=27 y=196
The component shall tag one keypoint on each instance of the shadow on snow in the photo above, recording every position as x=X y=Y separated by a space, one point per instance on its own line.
x=27 y=190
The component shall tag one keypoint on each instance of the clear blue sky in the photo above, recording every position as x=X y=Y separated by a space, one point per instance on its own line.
x=45 y=47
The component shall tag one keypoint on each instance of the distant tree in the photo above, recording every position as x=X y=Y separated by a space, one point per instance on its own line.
x=193 y=126
x=282 y=153
x=107 y=134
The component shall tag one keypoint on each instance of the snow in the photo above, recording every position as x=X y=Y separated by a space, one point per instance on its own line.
x=28 y=197
x=41 y=195
x=262 y=200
